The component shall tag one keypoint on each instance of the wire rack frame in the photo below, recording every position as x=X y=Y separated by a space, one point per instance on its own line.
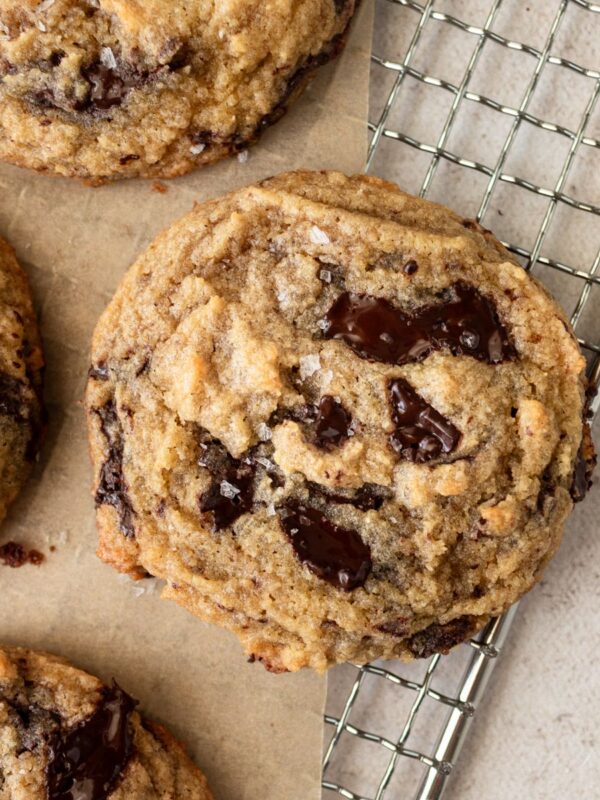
x=487 y=646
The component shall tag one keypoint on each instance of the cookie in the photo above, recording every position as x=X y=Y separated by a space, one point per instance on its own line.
x=21 y=363
x=66 y=736
x=106 y=89
x=338 y=420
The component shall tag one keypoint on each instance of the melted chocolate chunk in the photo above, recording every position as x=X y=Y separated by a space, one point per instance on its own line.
x=337 y=555
x=15 y=403
x=332 y=425
x=379 y=331
x=87 y=761
x=231 y=491
x=585 y=464
x=369 y=497
x=441 y=638
x=112 y=487
x=107 y=87
x=396 y=627
x=33 y=723
x=13 y=554
x=422 y=433
x=99 y=372
x=326 y=425
x=11 y=398
x=124 y=160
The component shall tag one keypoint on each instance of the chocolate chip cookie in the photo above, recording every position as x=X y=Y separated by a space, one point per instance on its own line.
x=21 y=362
x=106 y=89
x=340 y=421
x=66 y=736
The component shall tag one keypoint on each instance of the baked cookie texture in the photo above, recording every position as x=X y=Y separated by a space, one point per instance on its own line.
x=66 y=736
x=106 y=89
x=340 y=421
x=21 y=364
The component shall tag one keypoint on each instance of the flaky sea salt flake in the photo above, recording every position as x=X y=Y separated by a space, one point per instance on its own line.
x=242 y=157
x=196 y=149
x=107 y=57
x=309 y=365
x=317 y=236
x=228 y=490
x=263 y=431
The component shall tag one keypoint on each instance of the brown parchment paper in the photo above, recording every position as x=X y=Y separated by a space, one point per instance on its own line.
x=257 y=736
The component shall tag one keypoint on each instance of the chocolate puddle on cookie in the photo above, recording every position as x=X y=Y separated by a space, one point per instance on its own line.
x=87 y=761
x=422 y=433
x=336 y=555
x=379 y=331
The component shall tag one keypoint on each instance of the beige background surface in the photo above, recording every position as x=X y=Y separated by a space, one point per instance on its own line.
x=256 y=735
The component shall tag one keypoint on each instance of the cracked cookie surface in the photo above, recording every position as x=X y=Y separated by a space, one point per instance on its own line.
x=66 y=736
x=338 y=420
x=21 y=363
x=104 y=89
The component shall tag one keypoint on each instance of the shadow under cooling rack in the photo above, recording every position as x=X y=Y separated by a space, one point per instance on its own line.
x=491 y=108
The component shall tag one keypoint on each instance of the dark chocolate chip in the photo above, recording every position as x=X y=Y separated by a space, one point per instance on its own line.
x=16 y=404
x=229 y=495
x=585 y=463
x=379 y=331
x=86 y=762
x=410 y=267
x=396 y=627
x=12 y=403
x=231 y=491
x=33 y=723
x=128 y=159
x=332 y=425
x=337 y=555
x=108 y=87
x=99 y=372
x=441 y=638
x=112 y=487
x=181 y=58
x=104 y=89
x=369 y=497
x=422 y=433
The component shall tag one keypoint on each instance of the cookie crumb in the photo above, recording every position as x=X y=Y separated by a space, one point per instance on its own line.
x=159 y=187
x=15 y=555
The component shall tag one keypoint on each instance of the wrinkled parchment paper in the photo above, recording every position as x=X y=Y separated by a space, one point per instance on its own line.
x=256 y=736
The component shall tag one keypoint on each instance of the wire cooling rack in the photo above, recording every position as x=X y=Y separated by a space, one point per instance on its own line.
x=492 y=103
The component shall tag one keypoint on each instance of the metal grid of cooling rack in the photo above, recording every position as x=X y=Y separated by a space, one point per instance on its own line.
x=583 y=280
